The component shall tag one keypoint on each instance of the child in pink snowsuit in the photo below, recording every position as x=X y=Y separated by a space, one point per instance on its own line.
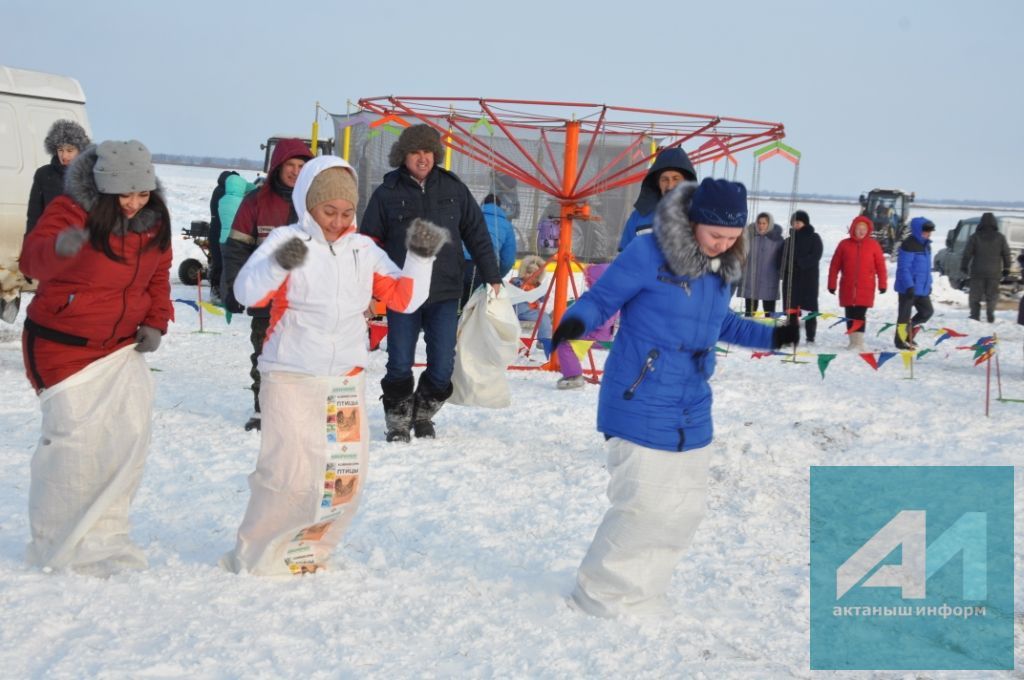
x=572 y=372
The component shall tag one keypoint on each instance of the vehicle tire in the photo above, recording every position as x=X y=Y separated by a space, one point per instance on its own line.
x=190 y=270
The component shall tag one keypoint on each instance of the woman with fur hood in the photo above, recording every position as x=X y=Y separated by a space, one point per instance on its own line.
x=102 y=254
x=320 y=275
x=857 y=268
x=654 y=406
x=65 y=140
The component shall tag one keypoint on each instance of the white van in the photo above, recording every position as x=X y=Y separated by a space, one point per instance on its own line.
x=30 y=101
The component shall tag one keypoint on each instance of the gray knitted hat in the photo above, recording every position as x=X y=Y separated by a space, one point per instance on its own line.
x=123 y=168
x=420 y=137
x=63 y=132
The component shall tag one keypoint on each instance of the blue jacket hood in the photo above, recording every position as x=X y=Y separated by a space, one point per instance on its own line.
x=916 y=229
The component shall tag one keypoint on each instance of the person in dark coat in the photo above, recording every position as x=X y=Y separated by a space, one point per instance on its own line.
x=801 y=256
x=216 y=266
x=857 y=267
x=914 y=282
x=65 y=140
x=986 y=260
x=670 y=168
x=654 y=407
x=262 y=210
x=417 y=187
x=760 y=283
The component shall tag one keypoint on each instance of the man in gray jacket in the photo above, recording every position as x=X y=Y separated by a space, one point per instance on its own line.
x=986 y=260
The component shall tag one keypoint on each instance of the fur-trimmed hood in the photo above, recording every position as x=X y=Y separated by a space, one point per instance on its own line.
x=80 y=184
x=63 y=132
x=676 y=240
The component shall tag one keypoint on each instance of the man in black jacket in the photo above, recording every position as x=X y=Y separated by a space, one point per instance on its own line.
x=418 y=188
x=986 y=261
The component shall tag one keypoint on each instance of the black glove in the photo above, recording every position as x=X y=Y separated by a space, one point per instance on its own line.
x=70 y=241
x=1006 y=272
x=832 y=291
x=881 y=291
x=425 y=238
x=148 y=339
x=786 y=334
x=569 y=329
x=291 y=253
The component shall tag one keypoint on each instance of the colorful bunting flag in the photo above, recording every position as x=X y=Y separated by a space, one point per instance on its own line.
x=190 y=303
x=823 y=361
x=884 y=356
x=579 y=347
x=869 y=357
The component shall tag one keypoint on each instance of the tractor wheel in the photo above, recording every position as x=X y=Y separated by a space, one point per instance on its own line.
x=190 y=270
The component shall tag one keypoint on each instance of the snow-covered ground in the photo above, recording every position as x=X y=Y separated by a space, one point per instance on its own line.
x=465 y=547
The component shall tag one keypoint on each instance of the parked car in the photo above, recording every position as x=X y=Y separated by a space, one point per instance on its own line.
x=948 y=261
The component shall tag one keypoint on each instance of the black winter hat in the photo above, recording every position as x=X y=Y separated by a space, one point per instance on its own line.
x=988 y=222
x=63 y=132
x=802 y=216
x=420 y=137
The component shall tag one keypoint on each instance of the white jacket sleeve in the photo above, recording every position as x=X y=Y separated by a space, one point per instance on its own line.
x=402 y=290
x=261 y=275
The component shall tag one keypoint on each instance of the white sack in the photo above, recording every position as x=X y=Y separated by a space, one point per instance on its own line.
x=657 y=502
x=88 y=465
x=486 y=343
x=309 y=476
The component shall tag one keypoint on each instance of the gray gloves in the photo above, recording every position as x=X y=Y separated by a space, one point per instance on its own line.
x=425 y=238
x=148 y=339
x=291 y=253
x=70 y=241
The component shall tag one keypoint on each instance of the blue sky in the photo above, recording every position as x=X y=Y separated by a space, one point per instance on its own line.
x=920 y=95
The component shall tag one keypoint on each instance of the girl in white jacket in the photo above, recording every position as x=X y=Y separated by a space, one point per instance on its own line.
x=320 y=276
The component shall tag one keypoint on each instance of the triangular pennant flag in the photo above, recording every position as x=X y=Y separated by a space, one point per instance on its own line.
x=720 y=350
x=869 y=358
x=829 y=315
x=884 y=329
x=983 y=356
x=944 y=336
x=908 y=358
x=812 y=315
x=923 y=352
x=952 y=333
x=761 y=355
x=841 y=320
x=855 y=325
x=546 y=344
x=228 y=315
x=378 y=331
x=213 y=309
x=901 y=331
x=884 y=356
x=823 y=361
x=190 y=303
x=580 y=347
x=528 y=341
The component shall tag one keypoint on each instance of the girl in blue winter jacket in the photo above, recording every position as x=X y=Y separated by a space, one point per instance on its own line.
x=654 y=408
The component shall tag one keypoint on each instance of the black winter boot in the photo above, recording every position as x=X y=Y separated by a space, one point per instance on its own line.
x=428 y=402
x=398 y=405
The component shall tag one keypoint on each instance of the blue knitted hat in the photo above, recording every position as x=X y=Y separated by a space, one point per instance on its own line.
x=720 y=203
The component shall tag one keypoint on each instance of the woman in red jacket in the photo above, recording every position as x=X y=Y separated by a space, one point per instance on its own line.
x=859 y=264
x=102 y=254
